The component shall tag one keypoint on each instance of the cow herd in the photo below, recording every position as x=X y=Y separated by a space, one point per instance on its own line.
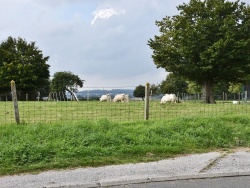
x=117 y=98
x=125 y=98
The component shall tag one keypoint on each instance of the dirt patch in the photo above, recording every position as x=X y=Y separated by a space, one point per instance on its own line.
x=246 y=149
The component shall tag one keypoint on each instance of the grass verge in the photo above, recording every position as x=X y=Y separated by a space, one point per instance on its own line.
x=36 y=147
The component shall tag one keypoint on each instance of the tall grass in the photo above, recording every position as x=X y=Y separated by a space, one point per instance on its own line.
x=35 y=147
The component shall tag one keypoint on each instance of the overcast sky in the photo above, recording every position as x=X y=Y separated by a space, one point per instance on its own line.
x=102 y=41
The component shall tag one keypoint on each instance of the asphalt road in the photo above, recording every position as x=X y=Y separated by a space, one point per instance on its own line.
x=223 y=182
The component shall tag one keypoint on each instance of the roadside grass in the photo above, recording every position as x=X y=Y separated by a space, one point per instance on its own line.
x=44 y=146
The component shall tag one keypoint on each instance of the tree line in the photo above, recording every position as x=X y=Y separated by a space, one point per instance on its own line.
x=174 y=84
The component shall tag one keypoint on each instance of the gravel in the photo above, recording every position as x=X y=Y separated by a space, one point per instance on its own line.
x=187 y=166
x=238 y=160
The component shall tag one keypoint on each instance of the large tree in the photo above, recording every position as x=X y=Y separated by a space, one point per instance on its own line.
x=66 y=81
x=24 y=63
x=208 y=42
x=139 y=91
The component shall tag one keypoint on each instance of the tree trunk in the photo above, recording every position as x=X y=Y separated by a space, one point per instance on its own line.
x=207 y=93
x=73 y=94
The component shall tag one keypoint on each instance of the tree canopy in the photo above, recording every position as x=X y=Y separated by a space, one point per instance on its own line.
x=139 y=91
x=65 y=81
x=155 y=89
x=193 y=88
x=24 y=63
x=235 y=88
x=208 y=42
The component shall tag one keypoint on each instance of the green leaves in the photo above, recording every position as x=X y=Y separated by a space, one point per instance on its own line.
x=24 y=63
x=208 y=41
x=63 y=81
x=173 y=84
x=139 y=91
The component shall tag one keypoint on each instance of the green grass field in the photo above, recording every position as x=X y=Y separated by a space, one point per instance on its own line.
x=36 y=147
x=68 y=111
x=55 y=135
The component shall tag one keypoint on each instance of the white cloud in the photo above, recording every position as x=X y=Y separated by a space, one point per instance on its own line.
x=105 y=14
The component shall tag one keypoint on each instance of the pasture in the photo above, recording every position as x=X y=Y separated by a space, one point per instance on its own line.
x=73 y=111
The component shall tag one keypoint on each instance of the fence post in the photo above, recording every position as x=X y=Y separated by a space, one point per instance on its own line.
x=239 y=97
x=245 y=96
x=14 y=99
x=147 y=94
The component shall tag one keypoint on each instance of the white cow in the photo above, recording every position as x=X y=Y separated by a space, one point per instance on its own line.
x=168 y=98
x=105 y=98
x=45 y=98
x=121 y=97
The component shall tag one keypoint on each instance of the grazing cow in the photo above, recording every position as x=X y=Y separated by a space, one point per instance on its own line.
x=45 y=98
x=168 y=98
x=105 y=98
x=121 y=97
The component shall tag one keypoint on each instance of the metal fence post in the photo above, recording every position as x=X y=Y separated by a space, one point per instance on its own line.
x=14 y=99
x=147 y=95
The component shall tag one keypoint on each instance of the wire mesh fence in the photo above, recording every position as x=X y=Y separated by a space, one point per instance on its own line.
x=57 y=107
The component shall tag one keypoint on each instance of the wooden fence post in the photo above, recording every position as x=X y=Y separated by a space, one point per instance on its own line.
x=147 y=95
x=239 y=97
x=245 y=98
x=14 y=99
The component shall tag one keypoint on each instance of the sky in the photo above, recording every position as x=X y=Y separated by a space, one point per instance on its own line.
x=104 y=42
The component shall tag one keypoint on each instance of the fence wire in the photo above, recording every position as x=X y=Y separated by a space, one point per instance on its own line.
x=57 y=107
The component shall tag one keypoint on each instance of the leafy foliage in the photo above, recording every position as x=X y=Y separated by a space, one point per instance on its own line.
x=24 y=63
x=64 y=81
x=193 y=87
x=221 y=87
x=235 y=88
x=155 y=89
x=173 y=84
x=208 y=42
x=139 y=91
